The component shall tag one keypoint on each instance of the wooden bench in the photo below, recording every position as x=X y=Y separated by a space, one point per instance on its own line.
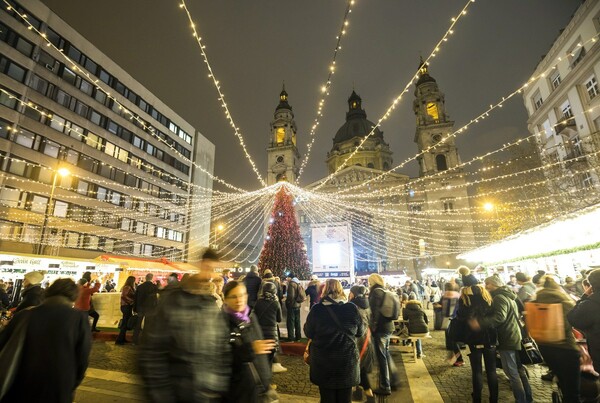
x=401 y=335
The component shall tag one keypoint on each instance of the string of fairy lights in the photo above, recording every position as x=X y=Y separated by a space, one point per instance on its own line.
x=392 y=107
x=221 y=98
x=325 y=88
x=381 y=227
x=99 y=86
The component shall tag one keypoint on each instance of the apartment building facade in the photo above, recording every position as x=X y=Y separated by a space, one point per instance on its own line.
x=135 y=170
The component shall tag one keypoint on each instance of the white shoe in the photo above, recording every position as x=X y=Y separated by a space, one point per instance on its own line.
x=277 y=367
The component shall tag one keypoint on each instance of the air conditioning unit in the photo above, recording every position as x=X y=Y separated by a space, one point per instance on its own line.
x=50 y=67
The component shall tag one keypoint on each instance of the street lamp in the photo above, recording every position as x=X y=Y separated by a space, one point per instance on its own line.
x=62 y=172
x=218 y=228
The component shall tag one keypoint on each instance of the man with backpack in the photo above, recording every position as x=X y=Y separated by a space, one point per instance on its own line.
x=385 y=308
x=294 y=298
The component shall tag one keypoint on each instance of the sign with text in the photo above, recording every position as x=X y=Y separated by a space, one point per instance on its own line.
x=332 y=253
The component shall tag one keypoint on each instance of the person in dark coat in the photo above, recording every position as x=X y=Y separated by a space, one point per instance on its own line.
x=4 y=300
x=358 y=296
x=504 y=318
x=268 y=312
x=312 y=291
x=250 y=371
x=252 y=283
x=174 y=365
x=417 y=321
x=293 y=302
x=32 y=294
x=333 y=327
x=563 y=358
x=127 y=300
x=584 y=316
x=381 y=330
x=56 y=350
x=146 y=299
x=475 y=303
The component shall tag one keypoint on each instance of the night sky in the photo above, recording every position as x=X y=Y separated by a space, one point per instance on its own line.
x=255 y=45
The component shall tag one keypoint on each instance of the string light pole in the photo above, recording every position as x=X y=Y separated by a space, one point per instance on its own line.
x=62 y=172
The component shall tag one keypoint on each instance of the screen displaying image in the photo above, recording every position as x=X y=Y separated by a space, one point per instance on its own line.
x=329 y=254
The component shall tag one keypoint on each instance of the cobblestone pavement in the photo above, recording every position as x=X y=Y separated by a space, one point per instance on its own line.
x=293 y=385
x=454 y=383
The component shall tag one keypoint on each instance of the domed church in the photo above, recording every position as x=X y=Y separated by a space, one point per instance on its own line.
x=413 y=241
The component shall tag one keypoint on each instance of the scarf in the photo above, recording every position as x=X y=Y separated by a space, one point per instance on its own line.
x=243 y=316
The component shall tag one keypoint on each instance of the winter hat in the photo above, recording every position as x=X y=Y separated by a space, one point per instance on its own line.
x=269 y=288
x=537 y=277
x=594 y=279
x=469 y=280
x=358 y=290
x=549 y=282
x=267 y=274
x=495 y=281
x=314 y=277
x=522 y=277
x=464 y=271
x=34 y=277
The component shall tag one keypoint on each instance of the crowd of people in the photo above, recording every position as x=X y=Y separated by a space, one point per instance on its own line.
x=208 y=337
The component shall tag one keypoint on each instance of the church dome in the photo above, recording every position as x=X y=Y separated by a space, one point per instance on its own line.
x=357 y=124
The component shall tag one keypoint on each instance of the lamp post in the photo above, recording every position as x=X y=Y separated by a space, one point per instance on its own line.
x=49 y=208
x=217 y=229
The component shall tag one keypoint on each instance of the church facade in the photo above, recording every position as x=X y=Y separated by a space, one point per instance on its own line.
x=425 y=220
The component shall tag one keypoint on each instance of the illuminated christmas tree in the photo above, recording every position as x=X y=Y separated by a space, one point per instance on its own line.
x=284 y=250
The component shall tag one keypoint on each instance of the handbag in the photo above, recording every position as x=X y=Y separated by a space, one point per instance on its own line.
x=267 y=395
x=530 y=353
x=363 y=350
x=10 y=355
x=456 y=330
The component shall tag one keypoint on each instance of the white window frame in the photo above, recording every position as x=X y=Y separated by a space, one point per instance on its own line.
x=591 y=87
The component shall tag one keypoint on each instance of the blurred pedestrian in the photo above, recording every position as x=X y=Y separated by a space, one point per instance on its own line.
x=57 y=346
x=294 y=297
x=251 y=371
x=185 y=354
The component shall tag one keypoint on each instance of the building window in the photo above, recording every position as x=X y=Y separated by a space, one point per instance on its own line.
x=448 y=205
x=537 y=100
x=591 y=86
x=60 y=209
x=586 y=180
x=440 y=162
x=38 y=204
x=566 y=110
x=555 y=79
x=576 y=55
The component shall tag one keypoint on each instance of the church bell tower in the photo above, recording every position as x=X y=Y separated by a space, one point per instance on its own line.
x=433 y=125
x=282 y=152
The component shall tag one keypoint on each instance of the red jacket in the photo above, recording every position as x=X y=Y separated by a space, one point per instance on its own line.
x=85 y=296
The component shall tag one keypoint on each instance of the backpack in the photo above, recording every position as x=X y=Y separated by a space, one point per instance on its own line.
x=545 y=322
x=300 y=294
x=390 y=306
